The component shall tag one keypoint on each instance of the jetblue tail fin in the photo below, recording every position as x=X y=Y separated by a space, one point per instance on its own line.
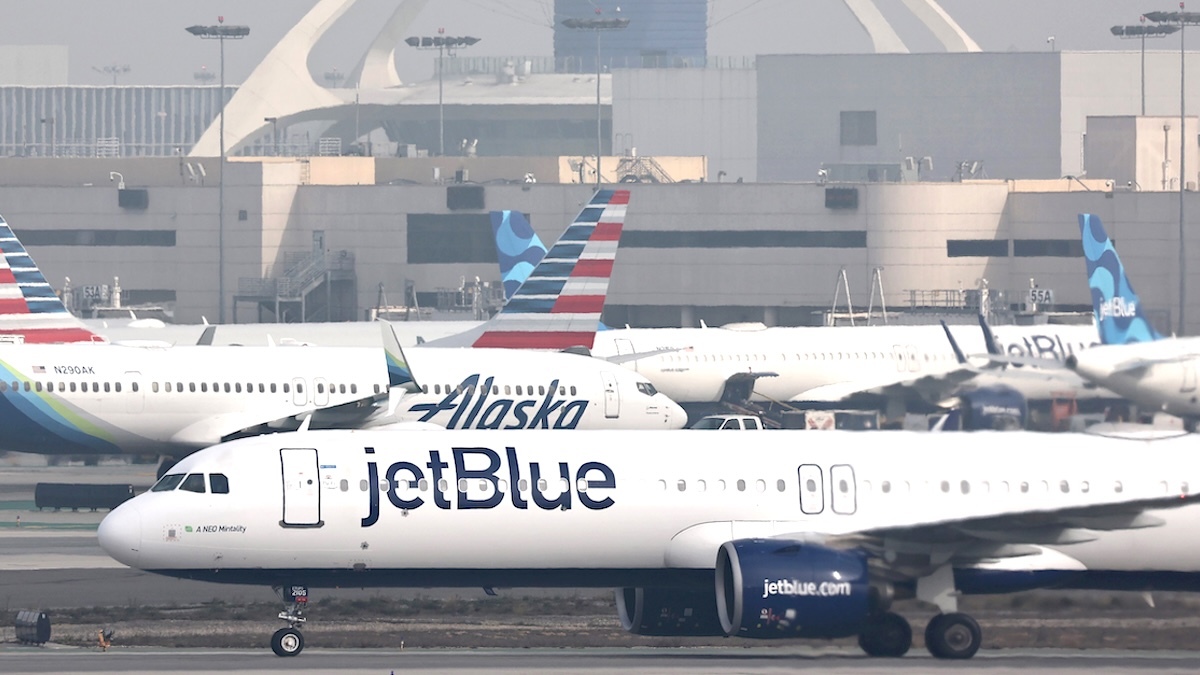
x=1118 y=309
x=518 y=248
x=399 y=373
x=29 y=307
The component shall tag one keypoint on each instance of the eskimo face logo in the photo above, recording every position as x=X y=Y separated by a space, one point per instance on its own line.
x=469 y=402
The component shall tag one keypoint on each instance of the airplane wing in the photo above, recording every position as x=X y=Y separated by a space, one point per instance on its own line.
x=929 y=388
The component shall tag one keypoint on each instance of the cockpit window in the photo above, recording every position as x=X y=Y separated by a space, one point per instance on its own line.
x=168 y=482
x=193 y=483
x=646 y=388
x=220 y=484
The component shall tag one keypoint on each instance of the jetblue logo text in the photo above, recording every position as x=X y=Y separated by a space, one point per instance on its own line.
x=1043 y=347
x=472 y=410
x=794 y=587
x=481 y=478
x=1118 y=308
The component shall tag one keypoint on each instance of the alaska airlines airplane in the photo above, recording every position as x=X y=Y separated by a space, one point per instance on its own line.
x=700 y=539
x=1135 y=360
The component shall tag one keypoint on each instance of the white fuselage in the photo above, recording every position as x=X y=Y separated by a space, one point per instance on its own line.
x=631 y=507
x=696 y=363
x=1158 y=375
x=478 y=388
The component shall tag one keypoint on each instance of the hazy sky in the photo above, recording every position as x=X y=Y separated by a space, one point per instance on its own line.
x=148 y=35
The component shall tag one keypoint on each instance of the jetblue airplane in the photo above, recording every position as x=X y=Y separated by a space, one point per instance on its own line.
x=700 y=539
x=1135 y=360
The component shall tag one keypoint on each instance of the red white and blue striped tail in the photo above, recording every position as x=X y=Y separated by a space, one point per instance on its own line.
x=30 y=310
x=559 y=305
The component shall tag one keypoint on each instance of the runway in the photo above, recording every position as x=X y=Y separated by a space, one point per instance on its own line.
x=764 y=660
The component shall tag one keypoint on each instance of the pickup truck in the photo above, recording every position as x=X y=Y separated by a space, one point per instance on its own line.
x=738 y=422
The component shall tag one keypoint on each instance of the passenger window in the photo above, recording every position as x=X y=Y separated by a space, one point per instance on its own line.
x=237 y=387
x=272 y=387
x=4 y=386
x=193 y=483
x=287 y=388
x=204 y=387
x=519 y=390
x=320 y=387
x=178 y=387
x=117 y=387
x=353 y=388
x=72 y=387
x=541 y=390
x=27 y=386
x=262 y=388
x=192 y=387
x=154 y=387
x=572 y=390
x=507 y=390
x=39 y=386
x=133 y=386
x=562 y=390
x=227 y=387
x=106 y=389
x=220 y=484
x=741 y=485
x=437 y=388
x=168 y=482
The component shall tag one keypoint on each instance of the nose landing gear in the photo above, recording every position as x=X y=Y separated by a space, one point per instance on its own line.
x=290 y=641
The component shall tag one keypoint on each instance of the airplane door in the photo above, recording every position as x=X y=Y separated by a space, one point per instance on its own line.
x=298 y=395
x=841 y=478
x=320 y=392
x=625 y=347
x=301 y=488
x=135 y=398
x=812 y=489
x=1189 y=378
x=914 y=359
x=612 y=400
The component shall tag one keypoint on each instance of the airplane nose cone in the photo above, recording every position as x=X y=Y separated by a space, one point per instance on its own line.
x=675 y=416
x=120 y=534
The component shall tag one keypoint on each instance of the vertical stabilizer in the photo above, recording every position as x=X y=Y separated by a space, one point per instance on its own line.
x=29 y=307
x=1117 y=307
x=518 y=248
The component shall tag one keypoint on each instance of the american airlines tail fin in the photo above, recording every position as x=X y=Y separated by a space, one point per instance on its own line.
x=1118 y=309
x=559 y=305
x=518 y=248
x=29 y=308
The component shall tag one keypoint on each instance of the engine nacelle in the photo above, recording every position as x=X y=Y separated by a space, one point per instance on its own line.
x=668 y=612
x=768 y=588
x=997 y=407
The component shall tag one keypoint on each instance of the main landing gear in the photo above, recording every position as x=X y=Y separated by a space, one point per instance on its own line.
x=949 y=635
x=290 y=641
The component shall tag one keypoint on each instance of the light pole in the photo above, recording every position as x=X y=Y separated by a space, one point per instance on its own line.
x=220 y=33
x=597 y=25
x=113 y=70
x=274 y=133
x=443 y=44
x=1181 y=19
x=1142 y=31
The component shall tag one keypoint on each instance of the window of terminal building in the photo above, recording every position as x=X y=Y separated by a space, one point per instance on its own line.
x=858 y=127
x=450 y=238
x=98 y=237
x=1047 y=248
x=976 y=248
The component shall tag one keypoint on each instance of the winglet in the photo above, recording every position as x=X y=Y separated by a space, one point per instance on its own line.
x=1117 y=307
x=399 y=374
x=559 y=305
x=206 y=338
x=989 y=338
x=29 y=307
x=958 y=354
x=518 y=248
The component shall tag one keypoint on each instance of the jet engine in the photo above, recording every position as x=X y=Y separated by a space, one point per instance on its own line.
x=669 y=612
x=768 y=588
x=997 y=407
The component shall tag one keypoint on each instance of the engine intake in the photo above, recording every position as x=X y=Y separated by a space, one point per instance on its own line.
x=768 y=588
x=663 y=612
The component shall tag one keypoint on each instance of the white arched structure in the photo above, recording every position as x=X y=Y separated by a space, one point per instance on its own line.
x=377 y=69
x=944 y=28
x=883 y=36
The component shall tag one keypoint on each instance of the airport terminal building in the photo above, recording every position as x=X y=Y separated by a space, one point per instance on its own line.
x=930 y=180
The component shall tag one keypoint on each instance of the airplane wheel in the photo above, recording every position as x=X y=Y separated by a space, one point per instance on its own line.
x=888 y=634
x=287 y=642
x=953 y=636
